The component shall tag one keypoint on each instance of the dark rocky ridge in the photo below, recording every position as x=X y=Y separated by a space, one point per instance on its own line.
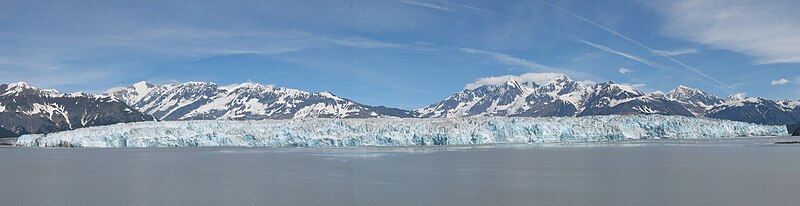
x=6 y=133
x=27 y=109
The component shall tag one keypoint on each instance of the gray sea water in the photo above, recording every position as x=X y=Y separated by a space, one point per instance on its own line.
x=665 y=172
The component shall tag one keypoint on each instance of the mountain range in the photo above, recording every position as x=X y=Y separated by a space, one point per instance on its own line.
x=25 y=109
x=561 y=96
x=246 y=101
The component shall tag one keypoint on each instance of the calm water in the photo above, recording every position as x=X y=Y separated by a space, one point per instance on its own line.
x=733 y=172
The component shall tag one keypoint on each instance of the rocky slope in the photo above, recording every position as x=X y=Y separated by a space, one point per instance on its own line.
x=25 y=109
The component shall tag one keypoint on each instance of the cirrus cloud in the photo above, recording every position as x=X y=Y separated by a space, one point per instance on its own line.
x=767 y=31
x=676 y=52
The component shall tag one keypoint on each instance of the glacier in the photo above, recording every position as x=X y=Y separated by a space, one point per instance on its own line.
x=398 y=132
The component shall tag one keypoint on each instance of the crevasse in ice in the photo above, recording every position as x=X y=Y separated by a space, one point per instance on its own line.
x=398 y=132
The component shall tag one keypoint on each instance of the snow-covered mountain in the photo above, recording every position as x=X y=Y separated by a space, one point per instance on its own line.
x=557 y=96
x=609 y=98
x=25 y=109
x=756 y=110
x=246 y=101
x=695 y=100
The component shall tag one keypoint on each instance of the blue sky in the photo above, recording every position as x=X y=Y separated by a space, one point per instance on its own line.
x=403 y=53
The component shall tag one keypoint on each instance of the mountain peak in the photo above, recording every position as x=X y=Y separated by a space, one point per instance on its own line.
x=657 y=94
x=737 y=97
x=251 y=85
x=513 y=83
x=610 y=86
x=192 y=83
x=681 y=89
x=693 y=99
x=684 y=93
x=328 y=94
x=22 y=87
x=143 y=84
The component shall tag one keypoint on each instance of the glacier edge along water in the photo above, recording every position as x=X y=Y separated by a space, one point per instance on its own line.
x=398 y=132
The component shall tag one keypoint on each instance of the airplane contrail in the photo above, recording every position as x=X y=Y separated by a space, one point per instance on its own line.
x=717 y=82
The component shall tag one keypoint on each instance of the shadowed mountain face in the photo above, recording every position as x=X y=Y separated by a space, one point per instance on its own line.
x=246 y=101
x=6 y=133
x=25 y=109
x=757 y=110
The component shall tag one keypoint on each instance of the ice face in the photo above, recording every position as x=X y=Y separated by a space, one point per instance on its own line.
x=398 y=132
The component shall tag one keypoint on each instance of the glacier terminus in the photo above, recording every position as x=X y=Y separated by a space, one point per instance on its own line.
x=398 y=132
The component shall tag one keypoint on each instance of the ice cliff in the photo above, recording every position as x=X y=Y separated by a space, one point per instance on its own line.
x=397 y=132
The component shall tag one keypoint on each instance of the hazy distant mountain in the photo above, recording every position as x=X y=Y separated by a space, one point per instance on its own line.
x=246 y=101
x=25 y=109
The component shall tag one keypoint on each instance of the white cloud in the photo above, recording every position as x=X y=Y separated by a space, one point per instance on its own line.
x=528 y=64
x=536 y=78
x=587 y=82
x=677 y=52
x=779 y=82
x=767 y=30
x=623 y=70
x=635 y=86
x=738 y=96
